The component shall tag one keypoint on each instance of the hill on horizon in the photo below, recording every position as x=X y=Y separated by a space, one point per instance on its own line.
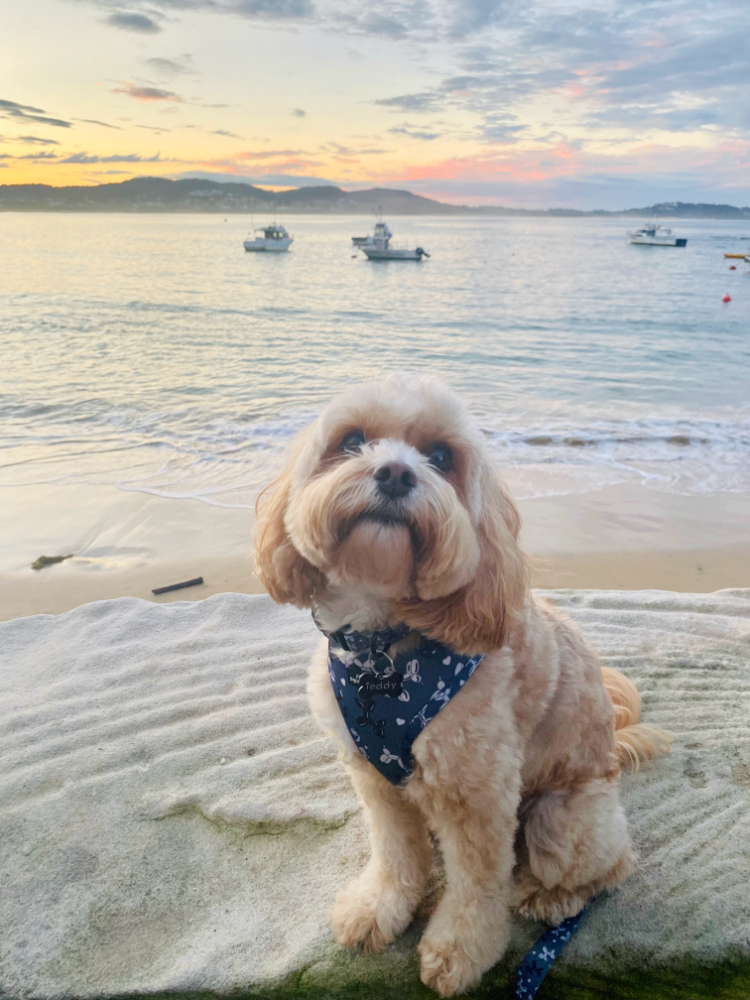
x=160 y=194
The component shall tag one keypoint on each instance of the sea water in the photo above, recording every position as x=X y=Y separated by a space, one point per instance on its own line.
x=150 y=352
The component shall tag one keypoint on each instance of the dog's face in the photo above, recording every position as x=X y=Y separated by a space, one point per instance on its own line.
x=389 y=491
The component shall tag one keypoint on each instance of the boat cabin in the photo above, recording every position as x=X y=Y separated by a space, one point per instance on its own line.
x=382 y=231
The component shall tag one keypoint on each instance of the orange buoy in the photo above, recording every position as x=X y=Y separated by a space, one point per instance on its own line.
x=727 y=298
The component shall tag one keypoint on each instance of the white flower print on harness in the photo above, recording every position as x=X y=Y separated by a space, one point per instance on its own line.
x=387 y=757
x=412 y=672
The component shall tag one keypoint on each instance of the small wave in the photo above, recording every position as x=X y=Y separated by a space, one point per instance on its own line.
x=644 y=433
x=684 y=456
x=178 y=308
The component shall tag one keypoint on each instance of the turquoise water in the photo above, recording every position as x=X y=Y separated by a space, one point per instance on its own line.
x=151 y=352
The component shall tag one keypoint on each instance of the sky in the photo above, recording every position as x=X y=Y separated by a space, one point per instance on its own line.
x=602 y=104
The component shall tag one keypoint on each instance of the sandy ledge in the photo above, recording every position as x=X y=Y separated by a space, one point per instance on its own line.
x=173 y=823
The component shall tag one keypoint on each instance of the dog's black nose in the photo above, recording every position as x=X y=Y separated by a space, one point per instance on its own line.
x=395 y=479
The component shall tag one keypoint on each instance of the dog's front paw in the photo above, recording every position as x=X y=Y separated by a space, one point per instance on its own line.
x=446 y=968
x=551 y=906
x=369 y=915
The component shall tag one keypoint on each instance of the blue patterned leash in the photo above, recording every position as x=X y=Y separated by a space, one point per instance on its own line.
x=540 y=959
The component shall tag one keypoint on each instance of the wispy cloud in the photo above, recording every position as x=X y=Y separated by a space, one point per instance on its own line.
x=257 y=10
x=42 y=154
x=10 y=109
x=470 y=16
x=298 y=113
x=35 y=140
x=271 y=10
x=179 y=66
x=117 y=158
x=139 y=23
x=425 y=101
x=415 y=134
x=147 y=94
x=94 y=121
x=501 y=127
x=378 y=24
x=267 y=154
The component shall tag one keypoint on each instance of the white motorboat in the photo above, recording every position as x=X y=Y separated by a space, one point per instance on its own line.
x=652 y=235
x=378 y=246
x=275 y=238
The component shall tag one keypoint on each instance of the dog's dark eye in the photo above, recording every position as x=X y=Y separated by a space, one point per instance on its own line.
x=353 y=441
x=440 y=456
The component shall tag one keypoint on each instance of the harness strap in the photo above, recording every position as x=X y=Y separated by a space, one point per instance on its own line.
x=540 y=959
x=356 y=642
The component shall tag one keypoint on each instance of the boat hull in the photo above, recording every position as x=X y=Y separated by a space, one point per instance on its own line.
x=374 y=253
x=267 y=246
x=651 y=241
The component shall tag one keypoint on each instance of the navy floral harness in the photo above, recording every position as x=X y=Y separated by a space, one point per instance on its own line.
x=387 y=702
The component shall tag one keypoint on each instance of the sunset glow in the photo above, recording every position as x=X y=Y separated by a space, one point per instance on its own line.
x=594 y=105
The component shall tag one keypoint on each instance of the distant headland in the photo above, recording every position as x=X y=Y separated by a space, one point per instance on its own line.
x=159 y=194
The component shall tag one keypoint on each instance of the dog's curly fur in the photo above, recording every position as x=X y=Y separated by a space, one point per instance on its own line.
x=518 y=777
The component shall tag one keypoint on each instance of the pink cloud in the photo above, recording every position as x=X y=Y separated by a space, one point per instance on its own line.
x=273 y=165
x=146 y=94
x=269 y=154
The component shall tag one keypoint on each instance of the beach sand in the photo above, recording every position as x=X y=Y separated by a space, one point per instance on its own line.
x=126 y=544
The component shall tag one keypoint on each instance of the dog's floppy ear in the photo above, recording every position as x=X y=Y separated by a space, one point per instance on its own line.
x=286 y=575
x=477 y=617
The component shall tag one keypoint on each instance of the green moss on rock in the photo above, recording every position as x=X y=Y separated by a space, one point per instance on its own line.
x=358 y=977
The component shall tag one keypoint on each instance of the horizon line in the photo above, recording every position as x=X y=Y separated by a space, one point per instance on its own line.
x=279 y=193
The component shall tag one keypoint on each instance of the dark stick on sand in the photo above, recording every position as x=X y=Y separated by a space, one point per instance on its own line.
x=179 y=586
x=43 y=561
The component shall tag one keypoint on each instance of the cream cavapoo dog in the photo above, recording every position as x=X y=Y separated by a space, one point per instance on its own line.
x=390 y=522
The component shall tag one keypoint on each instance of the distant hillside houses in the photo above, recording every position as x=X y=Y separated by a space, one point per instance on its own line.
x=688 y=210
x=159 y=194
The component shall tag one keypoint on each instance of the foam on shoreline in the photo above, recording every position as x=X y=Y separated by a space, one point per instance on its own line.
x=225 y=463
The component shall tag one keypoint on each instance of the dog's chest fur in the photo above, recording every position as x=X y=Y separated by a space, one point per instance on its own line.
x=361 y=611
